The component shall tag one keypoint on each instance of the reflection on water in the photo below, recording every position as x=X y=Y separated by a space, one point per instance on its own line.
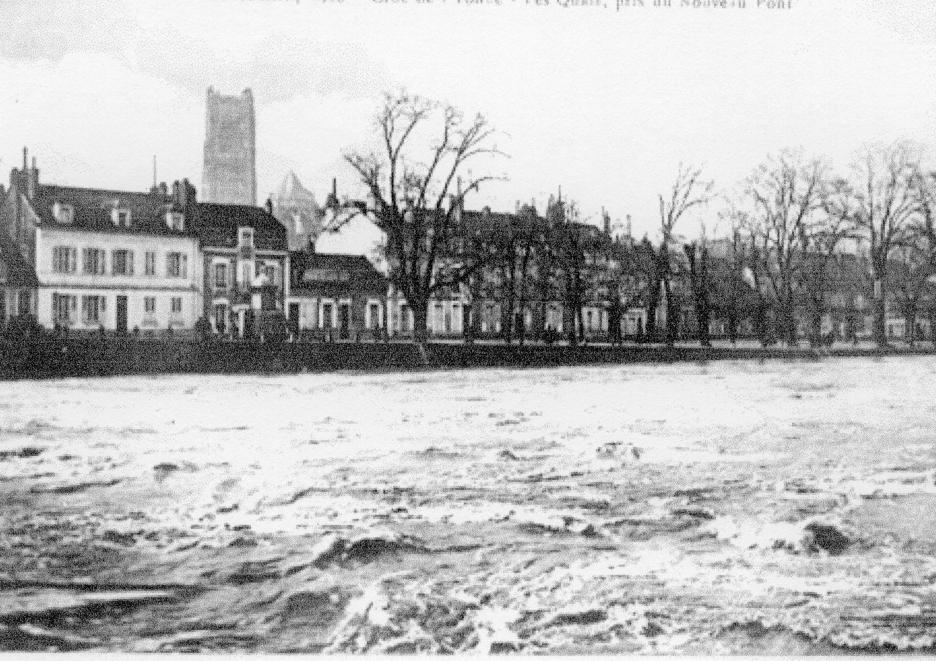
x=733 y=507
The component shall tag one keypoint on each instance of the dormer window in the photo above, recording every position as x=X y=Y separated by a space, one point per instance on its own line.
x=245 y=237
x=64 y=213
x=175 y=220
x=120 y=217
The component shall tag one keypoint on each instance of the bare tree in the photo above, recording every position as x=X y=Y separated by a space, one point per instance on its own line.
x=697 y=256
x=416 y=202
x=882 y=202
x=786 y=193
x=819 y=270
x=913 y=262
x=689 y=190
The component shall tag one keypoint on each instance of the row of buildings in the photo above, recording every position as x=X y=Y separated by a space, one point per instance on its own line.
x=169 y=260
x=158 y=261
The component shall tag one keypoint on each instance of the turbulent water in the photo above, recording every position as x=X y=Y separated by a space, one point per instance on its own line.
x=731 y=507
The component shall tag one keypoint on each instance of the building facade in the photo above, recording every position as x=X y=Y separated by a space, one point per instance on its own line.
x=104 y=259
x=244 y=265
x=336 y=297
x=229 y=175
x=17 y=283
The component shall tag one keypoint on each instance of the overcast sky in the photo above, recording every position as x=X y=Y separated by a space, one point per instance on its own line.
x=604 y=103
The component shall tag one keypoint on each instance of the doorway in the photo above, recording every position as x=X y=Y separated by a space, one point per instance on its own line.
x=122 y=315
x=344 y=321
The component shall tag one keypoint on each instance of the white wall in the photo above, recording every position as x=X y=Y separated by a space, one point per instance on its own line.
x=135 y=287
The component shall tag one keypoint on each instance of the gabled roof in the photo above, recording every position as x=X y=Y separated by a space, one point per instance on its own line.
x=19 y=272
x=93 y=207
x=216 y=226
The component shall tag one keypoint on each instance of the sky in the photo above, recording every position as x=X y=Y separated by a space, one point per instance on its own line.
x=605 y=103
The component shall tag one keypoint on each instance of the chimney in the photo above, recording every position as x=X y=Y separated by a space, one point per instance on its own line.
x=311 y=246
x=269 y=205
x=176 y=193
x=163 y=189
x=628 y=225
x=606 y=220
x=32 y=180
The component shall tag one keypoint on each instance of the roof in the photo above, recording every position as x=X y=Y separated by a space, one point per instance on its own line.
x=93 y=206
x=360 y=273
x=19 y=272
x=216 y=226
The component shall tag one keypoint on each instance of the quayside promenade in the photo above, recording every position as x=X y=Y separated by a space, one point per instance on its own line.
x=110 y=356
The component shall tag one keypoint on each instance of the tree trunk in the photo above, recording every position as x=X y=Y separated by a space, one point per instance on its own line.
x=653 y=302
x=672 y=320
x=420 y=318
x=932 y=324
x=789 y=318
x=761 y=321
x=815 y=317
x=880 y=310
x=704 y=303
x=910 y=324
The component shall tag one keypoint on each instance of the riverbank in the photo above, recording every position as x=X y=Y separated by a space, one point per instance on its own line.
x=52 y=358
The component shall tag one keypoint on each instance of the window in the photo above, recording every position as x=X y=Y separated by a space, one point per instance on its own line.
x=150 y=263
x=25 y=303
x=175 y=305
x=93 y=261
x=326 y=315
x=374 y=309
x=245 y=275
x=62 y=308
x=120 y=217
x=64 y=213
x=270 y=273
x=149 y=304
x=220 y=276
x=92 y=309
x=122 y=262
x=245 y=237
x=175 y=220
x=176 y=265
x=64 y=259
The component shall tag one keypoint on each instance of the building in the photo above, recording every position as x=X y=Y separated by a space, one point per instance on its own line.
x=103 y=259
x=17 y=283
x=245 y=264
x=229 y=175
x=296 y=208
x=336 y=297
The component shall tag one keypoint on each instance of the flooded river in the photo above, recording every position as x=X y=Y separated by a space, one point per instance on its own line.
x=784 y=507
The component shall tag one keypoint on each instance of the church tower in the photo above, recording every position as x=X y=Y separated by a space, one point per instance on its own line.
x=229 y=175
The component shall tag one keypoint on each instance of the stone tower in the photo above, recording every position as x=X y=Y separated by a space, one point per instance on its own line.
x=295 y=207
x=229 y=174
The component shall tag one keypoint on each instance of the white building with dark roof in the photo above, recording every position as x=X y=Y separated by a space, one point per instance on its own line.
x=110 y=259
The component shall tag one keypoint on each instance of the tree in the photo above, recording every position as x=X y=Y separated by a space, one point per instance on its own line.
x=697 y=256
x=575 y=244
x=417 y=203
x=819 y=269
x=688 y=191
x=786 y=193
x=912 y=263
x=882 y=202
